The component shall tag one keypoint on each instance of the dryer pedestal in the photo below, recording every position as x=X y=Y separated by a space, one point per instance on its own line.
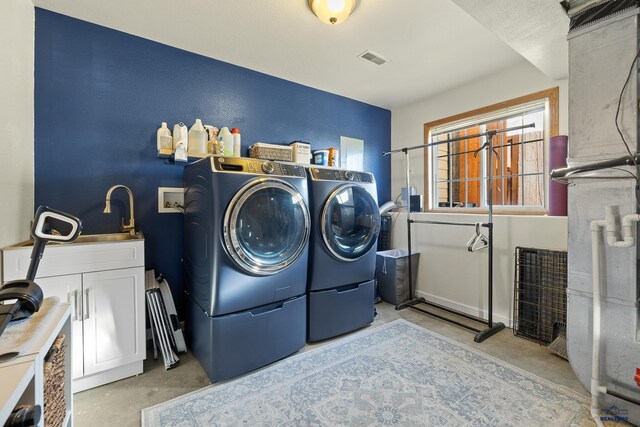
x=334 y=312
x=234 y=344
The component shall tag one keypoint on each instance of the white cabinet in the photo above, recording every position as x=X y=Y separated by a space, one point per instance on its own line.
x=104 y=285
x=113 y=318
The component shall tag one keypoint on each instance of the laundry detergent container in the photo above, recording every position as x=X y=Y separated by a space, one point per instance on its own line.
x=392 y=274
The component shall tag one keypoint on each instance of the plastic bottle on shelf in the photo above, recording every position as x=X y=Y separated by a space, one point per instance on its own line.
x=163 y=137
x=227 y=140
x=213 y=142
x=236 y=142
x=180 y=136
x=198 y=138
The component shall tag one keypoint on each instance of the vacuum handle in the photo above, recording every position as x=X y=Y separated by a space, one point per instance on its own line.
x=41 y=236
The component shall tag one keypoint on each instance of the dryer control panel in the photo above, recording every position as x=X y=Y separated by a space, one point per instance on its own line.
x=340 y=175
x=256 y=166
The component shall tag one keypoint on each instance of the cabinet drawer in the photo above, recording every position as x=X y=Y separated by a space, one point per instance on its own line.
x=73 y=258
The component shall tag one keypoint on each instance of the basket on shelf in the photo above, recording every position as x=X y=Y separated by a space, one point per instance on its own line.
x=260 y=150
x=55 y=408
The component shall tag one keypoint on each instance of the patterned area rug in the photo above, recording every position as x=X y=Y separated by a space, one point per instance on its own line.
x=395 y=374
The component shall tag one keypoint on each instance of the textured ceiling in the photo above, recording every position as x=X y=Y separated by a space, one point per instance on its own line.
x=535 y=29
x=431 y=45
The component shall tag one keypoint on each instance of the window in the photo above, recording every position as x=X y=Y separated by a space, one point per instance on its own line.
x=459 y=170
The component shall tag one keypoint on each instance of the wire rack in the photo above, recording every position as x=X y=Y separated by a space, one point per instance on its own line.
x=540 y=293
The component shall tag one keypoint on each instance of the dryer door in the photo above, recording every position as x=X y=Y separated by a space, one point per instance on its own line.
x=350 y=222
x=266 y=226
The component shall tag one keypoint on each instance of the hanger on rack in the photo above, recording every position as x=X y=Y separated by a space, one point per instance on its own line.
x=485 y=145
x=478 y=241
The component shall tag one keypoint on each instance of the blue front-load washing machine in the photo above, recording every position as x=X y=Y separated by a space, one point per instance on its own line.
x=246 y=234
x=342 y=261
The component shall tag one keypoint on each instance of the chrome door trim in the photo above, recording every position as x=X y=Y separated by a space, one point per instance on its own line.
x=323 y=221
x=232 y=244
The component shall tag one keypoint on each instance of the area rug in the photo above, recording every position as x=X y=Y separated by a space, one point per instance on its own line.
x=396 y=374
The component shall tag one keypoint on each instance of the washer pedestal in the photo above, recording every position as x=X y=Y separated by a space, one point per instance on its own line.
x=234 y=344
x=337 y=311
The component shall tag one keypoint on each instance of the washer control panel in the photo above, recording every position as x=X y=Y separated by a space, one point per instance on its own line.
x=256 y=166
x=340 y=175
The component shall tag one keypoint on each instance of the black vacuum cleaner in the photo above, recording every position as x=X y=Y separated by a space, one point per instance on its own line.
x=19 y=299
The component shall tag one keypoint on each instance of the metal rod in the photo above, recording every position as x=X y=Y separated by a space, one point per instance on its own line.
x=456 y=312
x=496 y=146
x=408 y=201
x=464 y=224
x=478 y=135
x=606 y=164
x=517 y=175
x=490 y=136
x=455 y=322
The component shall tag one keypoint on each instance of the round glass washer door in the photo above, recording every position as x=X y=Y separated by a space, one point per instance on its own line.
x=350 y=222
x=266 y=226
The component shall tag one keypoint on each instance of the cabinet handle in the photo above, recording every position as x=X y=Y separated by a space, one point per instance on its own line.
x=85 y=304
x=76 y=306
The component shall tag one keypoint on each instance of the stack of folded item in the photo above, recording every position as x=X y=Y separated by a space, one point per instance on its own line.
x=165 y=326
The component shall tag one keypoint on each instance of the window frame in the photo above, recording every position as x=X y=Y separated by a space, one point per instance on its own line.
x=551 y=96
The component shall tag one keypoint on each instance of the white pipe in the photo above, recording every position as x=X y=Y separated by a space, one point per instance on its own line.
x=627 y=229
x=609 y=224
x=595 y=352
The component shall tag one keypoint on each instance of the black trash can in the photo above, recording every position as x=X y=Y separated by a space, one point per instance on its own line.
x=392 y=273
x=384 y=238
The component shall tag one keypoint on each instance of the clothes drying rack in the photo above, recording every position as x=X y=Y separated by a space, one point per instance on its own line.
x=413 y=302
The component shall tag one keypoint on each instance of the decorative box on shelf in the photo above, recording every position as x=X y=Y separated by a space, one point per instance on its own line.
x=260 y=150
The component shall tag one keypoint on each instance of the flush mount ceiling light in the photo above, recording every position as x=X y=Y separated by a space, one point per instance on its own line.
x=332 y=11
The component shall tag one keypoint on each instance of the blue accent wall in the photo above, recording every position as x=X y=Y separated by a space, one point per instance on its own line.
x=101 y=94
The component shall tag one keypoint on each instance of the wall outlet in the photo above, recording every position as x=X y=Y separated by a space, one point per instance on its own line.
x=170 y=200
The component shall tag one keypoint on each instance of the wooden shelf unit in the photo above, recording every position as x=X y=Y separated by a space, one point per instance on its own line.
x=23 y=376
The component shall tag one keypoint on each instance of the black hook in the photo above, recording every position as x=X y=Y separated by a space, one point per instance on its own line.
x=485 y=145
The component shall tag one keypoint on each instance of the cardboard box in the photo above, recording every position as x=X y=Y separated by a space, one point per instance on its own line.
x=301 y=152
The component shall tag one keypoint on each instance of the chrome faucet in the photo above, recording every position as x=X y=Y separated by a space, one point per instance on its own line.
x=131 y=227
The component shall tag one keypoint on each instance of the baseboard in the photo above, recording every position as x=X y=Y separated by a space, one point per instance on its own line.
x=108 y=376
x=474 y=311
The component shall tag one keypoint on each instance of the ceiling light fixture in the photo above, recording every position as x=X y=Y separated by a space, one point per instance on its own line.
x=332 y=11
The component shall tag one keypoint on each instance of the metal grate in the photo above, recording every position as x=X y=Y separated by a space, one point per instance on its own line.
x=540 y=293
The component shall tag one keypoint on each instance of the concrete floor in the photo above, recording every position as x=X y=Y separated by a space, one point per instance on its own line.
x=120 y=403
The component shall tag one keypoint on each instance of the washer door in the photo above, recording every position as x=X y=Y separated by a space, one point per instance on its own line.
x=350 y=222
x=266 y=226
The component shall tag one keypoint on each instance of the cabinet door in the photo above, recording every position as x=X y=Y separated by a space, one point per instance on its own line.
x=113 y=312
x=69 y=289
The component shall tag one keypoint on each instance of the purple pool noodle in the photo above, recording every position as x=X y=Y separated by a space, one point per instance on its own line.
x=557 y=159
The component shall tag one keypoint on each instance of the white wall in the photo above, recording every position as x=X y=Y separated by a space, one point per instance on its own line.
x=16 y=119
x=451 y=275
x=448 y=273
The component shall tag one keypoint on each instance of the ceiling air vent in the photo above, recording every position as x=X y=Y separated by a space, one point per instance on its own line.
x=372 y=57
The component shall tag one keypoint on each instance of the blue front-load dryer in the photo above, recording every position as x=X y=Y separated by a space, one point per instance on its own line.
x=246 y=234
x=345 y=225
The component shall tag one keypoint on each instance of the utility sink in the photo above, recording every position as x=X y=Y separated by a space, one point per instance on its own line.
x=90 y=252
x=112 y=237
x=89 y=238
